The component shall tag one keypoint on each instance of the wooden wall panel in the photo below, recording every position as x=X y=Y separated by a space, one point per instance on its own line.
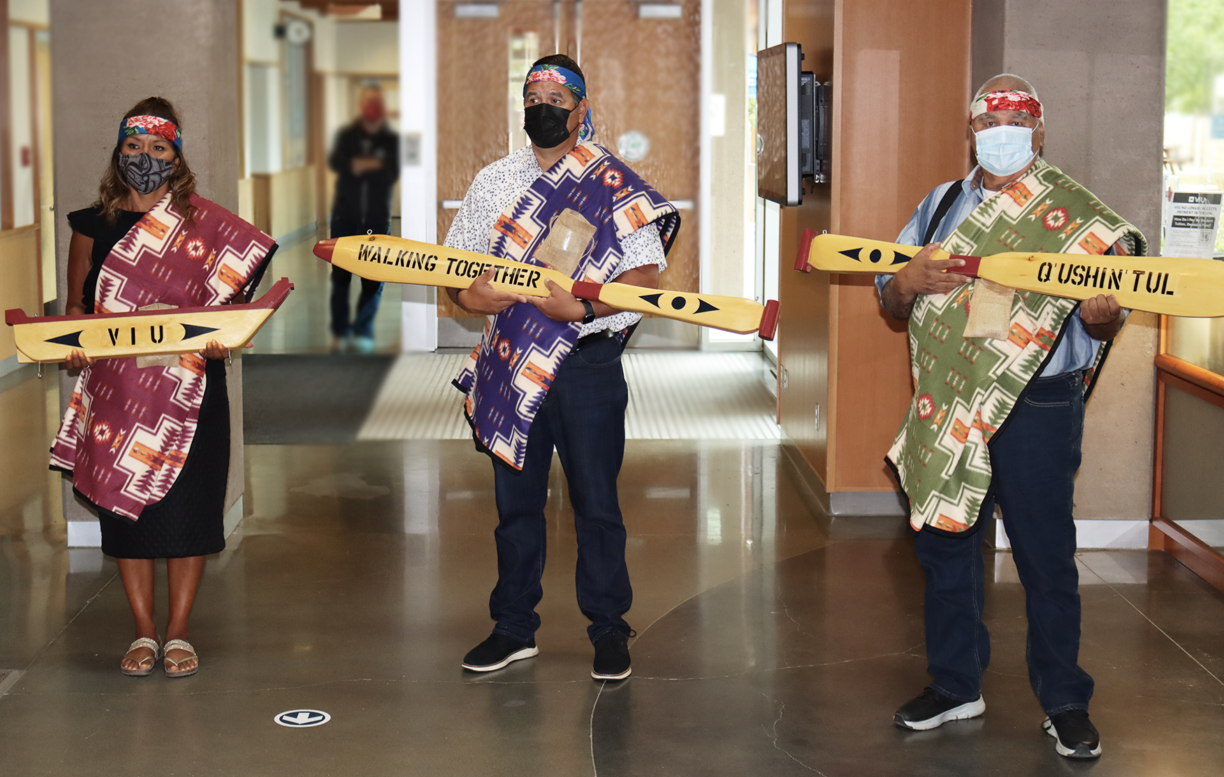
x=904 y=95
x=473 y=59
x=901 y=88
x=293 y=200
x=20 y=275
x=645 y=75
x=803 y=340
x=620 y=56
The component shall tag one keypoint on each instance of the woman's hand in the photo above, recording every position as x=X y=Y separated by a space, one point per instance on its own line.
x=215 y=351
x=77 y=360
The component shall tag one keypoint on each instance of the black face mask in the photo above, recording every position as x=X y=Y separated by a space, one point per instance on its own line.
x=546 y=125
x=145 y=173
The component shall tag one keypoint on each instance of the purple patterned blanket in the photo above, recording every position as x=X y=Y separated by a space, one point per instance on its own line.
x=509 y=374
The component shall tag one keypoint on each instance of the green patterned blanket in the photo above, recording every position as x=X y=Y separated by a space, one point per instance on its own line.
x=965 y=387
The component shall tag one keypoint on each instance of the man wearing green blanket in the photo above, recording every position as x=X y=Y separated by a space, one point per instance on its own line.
x=1000 y=382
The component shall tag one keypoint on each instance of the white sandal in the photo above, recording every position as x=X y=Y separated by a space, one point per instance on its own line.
x=179 y=644
x=141 y=670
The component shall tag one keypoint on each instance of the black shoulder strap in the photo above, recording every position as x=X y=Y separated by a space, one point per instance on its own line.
x=950 y=196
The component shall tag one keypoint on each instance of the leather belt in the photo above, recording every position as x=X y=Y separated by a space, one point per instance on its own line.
x=593 y=338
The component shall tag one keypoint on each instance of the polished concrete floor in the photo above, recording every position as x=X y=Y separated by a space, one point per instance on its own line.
x=771 y=639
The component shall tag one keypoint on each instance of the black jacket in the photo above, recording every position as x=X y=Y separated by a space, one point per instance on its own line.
x=365 y=200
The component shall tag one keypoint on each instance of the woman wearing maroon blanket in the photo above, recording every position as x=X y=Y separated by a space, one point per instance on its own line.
x=147 y=439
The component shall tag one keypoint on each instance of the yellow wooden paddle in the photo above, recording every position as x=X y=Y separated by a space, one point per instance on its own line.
x=143 y=333
x=1158 y=284
x=399 y=260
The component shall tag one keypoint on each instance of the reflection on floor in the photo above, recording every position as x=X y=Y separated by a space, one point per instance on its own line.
x=765 y=647
x=302 y=325
x=673 y=395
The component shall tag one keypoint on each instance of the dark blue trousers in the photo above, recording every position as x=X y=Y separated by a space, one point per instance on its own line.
x=1034 y=459
x=583 y=416
x=371 y=291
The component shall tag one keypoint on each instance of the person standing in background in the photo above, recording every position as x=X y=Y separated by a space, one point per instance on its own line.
x=365 y=157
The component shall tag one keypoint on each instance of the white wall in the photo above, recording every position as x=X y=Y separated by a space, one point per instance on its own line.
x=419 y=181
x=22 y=137
x=262 y=90
x=30 y=11
x=369 y=47
x=259 y=20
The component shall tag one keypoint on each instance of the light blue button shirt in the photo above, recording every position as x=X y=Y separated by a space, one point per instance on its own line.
x=1076 y=350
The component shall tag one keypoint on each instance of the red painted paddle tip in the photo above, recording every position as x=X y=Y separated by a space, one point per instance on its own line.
x=586 y=290
x=805 y=246
x=769 y=320
x=324 y=248
x=972 y=265
x=14 y=316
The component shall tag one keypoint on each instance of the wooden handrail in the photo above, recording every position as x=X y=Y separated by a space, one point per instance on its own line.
x=1191 y=373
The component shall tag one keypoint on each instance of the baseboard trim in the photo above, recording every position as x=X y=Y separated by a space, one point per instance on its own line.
x=1096 y=535
x=233 y=517
x=84 y=534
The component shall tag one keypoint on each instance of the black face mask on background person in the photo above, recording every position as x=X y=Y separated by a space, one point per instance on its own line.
x=145 y=173
x=546 y=124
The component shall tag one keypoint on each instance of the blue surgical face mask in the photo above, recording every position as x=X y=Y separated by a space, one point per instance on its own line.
x=1005 y=150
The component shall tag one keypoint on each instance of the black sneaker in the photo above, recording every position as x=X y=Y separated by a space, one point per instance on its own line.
x=498 y=651
x=932 y=709
x=1074 y=735
x=612 y=657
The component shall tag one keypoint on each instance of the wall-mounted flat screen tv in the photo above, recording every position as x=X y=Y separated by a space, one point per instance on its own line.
x=793 y=121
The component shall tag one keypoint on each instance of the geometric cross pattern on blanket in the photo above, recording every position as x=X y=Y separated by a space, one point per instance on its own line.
x=508 y=375
x=128 y=429
x=966 y=387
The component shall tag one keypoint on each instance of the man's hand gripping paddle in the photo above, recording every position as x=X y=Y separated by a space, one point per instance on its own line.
x=399 y=260
x=1169 y=285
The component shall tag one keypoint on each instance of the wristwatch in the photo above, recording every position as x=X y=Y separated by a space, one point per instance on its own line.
x=589 y=316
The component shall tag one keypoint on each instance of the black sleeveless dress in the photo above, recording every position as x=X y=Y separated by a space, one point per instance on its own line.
x=188 y=521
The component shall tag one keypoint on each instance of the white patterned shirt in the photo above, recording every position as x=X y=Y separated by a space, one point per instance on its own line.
x=497 y=185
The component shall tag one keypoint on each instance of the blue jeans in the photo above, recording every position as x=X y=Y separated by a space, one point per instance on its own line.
x=371 y=291
x=583 y=415
x=1034 y=459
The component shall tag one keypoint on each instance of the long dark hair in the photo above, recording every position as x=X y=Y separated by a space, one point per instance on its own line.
x=113 y=192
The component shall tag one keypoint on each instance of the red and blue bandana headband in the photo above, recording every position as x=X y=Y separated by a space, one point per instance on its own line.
x=151 y=125
x=1005 y=101
x=570 y=80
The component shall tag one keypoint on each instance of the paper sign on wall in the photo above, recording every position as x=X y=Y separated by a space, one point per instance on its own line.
x=1192 y=220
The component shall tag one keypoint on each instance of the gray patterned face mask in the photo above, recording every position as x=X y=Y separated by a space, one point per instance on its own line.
x=145 y=173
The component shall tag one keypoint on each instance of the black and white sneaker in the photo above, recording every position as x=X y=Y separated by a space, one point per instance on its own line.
x=498 y=651
x=1074 y=735
x=932 y=709
x=612 y=657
